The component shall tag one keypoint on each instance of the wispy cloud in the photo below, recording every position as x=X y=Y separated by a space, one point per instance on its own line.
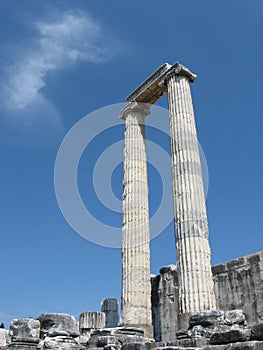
x=58 y=43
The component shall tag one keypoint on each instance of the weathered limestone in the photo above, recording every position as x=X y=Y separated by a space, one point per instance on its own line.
x=3 y=337
x=156 y=320
x=168 y=303
x=24 y=334
x=110 y=307
x=116 y=338
x=235 y=317
x=89 y=320
x=136 y=287
x=196 y=289
x=257 y=331
x=238 y=285
x=206 y=318
x=59 y=331
x=59 y=324
x=151 y=89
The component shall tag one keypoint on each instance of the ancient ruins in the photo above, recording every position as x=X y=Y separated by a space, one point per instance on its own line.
x=189 y=305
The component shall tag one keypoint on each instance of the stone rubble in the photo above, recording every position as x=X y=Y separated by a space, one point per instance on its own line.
x=59 y=331
x=88 y=321
x=208 y=330
x=24 y=334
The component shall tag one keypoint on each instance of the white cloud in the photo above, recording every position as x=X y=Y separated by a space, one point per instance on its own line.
x=59 y=43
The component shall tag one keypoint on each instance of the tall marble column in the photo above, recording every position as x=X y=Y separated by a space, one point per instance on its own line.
x=196 y=289
x=136 y=285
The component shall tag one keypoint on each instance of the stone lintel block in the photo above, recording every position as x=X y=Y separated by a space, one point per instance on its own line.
x=60 y=342
x=206 y=318
x=26 y=329
x=119 y=331
x=234 y=317
x=257 y=331
x=138 y=346
x=101 y=332
x=25 y=340
x=230 y=336
x=151 y=89
x=193 y=342
x=176 y=348
x=126 y=339
x=129 y=331
x=247 y=345
x=104 y=340
x=22 y=346
x=182 y=333
x=59 y=324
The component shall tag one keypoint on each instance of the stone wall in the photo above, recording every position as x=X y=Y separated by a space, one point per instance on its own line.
x=238 y=285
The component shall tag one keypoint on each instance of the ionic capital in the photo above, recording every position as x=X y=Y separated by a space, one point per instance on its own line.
x=138 y=109
x=179 y=70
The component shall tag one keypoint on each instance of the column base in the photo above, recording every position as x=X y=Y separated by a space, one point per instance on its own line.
x=146 y=328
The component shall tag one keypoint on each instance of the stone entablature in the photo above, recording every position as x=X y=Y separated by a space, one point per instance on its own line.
x=154 y=87
x=151 y=89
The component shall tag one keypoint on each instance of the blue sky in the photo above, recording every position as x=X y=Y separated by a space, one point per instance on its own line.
x=61 y=60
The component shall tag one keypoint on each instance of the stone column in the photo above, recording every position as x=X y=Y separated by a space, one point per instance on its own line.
x=196 y=289
x=110 y=307
x=136 y=285
x=90 y=320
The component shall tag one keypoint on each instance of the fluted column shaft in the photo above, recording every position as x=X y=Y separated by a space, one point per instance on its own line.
x=136 y=287
x=196 y=289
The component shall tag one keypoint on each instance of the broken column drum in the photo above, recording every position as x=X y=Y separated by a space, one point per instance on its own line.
x=136 y=287
x=110 y=307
